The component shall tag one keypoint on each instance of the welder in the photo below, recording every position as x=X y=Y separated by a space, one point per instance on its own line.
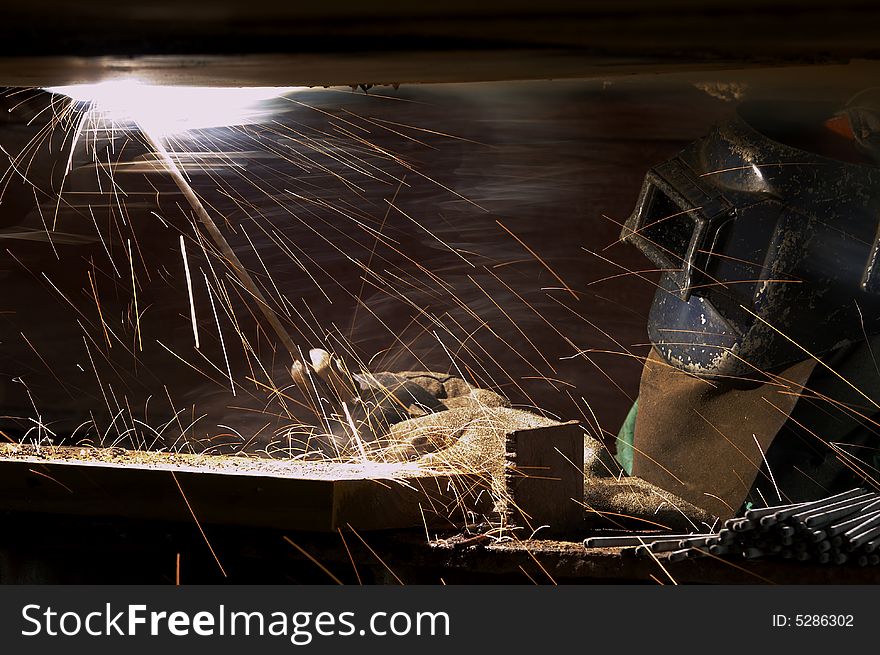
x=762 y=385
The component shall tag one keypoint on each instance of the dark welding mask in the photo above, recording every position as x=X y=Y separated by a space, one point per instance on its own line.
x=766 y=231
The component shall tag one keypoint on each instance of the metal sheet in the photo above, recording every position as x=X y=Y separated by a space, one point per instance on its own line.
x=233 y=490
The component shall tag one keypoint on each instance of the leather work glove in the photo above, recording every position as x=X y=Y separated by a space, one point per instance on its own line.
x=446 y=424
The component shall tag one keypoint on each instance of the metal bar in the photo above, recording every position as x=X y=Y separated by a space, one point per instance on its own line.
x=786 y=512
x=635 y=540
x=829 y=513
x=840 y=528
x=864 y=537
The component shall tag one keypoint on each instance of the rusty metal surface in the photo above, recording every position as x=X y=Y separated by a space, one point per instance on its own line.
x=544 y=477
x=239 y=491
x=685 y=29
x=335 y=69
x=281 y=43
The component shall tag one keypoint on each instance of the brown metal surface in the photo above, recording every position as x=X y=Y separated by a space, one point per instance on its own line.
x=689 y=29
x=336 y=69
x=545 y=477
x=231 y=490
x=276 y=43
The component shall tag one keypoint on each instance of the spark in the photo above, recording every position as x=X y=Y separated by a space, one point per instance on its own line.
x=526 y=573
x=351 y=559
x=137 y=315
x=538 y=257
x=189 y=288
x=49 y=477
x=219 y=240
x=375 y=554
x=312 y=559
x=198 y=524
x=769 y=470
x=220 y=334
x=354 y=431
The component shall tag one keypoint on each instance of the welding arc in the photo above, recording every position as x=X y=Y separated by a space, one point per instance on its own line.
x=220 y=241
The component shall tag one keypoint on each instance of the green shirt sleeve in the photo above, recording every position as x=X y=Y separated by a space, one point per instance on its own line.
x=625 y=439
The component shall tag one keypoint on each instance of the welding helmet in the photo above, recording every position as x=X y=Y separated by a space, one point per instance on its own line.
x=766 y=232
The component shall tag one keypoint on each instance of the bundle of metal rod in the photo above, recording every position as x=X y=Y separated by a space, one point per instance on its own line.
x=840 y=529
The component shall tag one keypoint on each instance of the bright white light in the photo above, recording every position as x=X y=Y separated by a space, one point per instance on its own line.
x=174 y=109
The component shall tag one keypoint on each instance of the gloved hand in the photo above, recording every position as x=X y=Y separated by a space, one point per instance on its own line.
x=449 y=425
x=356 y=412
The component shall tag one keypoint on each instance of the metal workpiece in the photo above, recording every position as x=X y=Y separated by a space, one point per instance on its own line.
x=634 y=540
x=768 y=521
x=849 y=524
x=744 y=526
x=753 y=553
x=656 y=547
x=862 y=538
x=686 y=553
x=783 y=512
x=666 y=546
x=826 y=515
x=759 y=513
x=867 y=522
